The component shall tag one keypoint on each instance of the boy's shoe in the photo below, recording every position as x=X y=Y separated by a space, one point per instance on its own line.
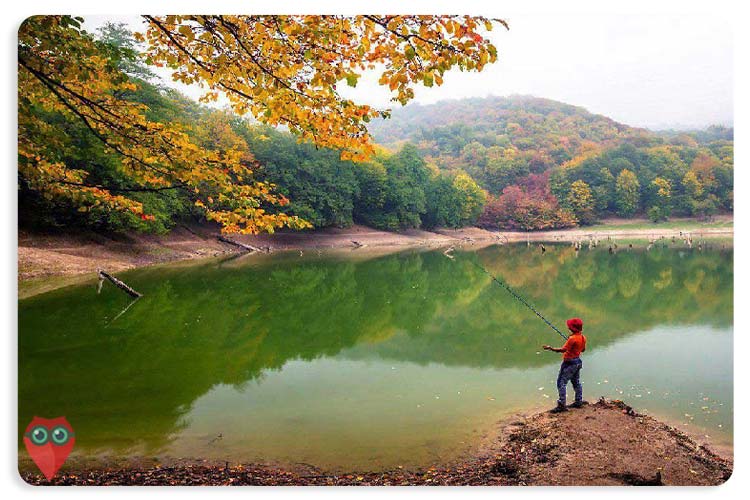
x=559 y=408
x=579 y=404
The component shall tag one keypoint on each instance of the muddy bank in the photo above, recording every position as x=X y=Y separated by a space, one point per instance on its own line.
x=605 y=443
x=69 y=254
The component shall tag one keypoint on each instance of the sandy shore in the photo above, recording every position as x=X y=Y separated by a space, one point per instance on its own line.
x=606 y=443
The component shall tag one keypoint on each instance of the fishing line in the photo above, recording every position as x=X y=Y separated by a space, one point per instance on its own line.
x=519 y=298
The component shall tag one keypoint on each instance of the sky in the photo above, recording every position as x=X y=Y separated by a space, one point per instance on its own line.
x=655 y=71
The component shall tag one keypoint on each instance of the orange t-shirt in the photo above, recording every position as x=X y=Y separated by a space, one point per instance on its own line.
x=574 y=346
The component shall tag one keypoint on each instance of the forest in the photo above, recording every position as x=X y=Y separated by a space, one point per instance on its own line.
x=87 y=161
x=545 y=164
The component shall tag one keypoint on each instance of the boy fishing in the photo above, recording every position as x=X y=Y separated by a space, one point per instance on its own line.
x=570 y=369
x=575 y=344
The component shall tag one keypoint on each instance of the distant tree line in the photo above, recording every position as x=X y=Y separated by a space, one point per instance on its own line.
x=394 y=191
x=658 y=181
x=548 y=165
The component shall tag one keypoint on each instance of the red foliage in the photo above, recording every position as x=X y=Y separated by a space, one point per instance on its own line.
x=528 y=205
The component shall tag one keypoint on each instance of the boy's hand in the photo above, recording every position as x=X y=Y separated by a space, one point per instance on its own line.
x=546 y=347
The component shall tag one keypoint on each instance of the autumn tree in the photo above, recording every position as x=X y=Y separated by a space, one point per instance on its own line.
x=472 y=199
x=284 y=70
x=688 y=192
x=692 y=185
x=528 y=206
x=627 y=193
x=662 y=207
x=703 y=167
x=64 y=71
x=581 y=202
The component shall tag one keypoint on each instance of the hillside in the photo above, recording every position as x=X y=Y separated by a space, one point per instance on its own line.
x=544 y=132
x=494 y=113
x=546 y=164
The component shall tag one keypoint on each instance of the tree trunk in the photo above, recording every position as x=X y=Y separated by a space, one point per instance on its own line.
x=119 y=284
x=245 y=247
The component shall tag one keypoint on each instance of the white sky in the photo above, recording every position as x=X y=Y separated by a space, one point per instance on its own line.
x=652 y=71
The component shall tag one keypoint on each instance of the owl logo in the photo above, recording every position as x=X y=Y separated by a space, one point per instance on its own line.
x=49 y=441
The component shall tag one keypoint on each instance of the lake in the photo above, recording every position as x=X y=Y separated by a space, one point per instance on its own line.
x=372 y=362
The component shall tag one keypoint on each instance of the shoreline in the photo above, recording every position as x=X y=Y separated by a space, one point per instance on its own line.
x=604 y=443
x=50 y=261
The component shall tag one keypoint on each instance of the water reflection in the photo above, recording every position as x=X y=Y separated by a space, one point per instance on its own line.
x=207 y=339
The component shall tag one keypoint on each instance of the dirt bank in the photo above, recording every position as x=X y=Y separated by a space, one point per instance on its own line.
x=61 y=254
x=605 y=443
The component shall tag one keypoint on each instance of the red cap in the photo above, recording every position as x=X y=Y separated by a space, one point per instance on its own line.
x=575 y=324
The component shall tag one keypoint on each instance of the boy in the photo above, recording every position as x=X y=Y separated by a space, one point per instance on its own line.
x=570 y=370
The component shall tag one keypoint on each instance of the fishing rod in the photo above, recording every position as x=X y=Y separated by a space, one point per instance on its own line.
x=520 y=299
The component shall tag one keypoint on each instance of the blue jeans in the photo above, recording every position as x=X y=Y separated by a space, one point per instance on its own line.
x=570 y=371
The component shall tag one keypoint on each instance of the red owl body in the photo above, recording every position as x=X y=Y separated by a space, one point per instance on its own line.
x=49 y=441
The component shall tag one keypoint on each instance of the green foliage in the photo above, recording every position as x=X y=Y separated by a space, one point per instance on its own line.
x=405 y=199
x=657 y=214
x=627 y=189
x=320 y=186
x=453 y=203
x=680 y=179
x=442 y=204
x=399 y=191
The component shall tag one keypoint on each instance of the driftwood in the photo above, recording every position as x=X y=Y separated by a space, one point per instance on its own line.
x=244 y=246
x=119 y=284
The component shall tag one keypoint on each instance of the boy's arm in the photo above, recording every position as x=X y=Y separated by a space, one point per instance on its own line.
x=564 y=348
x=555 y=349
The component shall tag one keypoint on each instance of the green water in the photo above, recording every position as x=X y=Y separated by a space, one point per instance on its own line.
x=366 y=363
